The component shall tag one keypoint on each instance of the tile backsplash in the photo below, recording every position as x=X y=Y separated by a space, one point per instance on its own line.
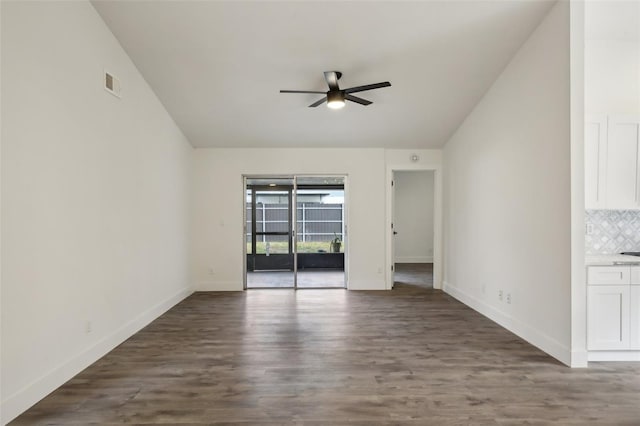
x=612 y=231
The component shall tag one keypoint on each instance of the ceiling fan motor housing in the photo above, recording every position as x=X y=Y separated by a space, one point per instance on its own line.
x=335 y=96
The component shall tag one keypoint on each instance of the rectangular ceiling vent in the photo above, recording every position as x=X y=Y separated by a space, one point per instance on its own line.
x=112 y=84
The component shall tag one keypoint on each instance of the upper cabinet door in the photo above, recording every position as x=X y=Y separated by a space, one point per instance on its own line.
x=595 y=156
x=623 y=152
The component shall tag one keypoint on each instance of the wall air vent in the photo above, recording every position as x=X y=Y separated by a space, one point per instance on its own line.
x=112 y=84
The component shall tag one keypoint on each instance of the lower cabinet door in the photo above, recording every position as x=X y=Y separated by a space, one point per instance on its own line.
x=634 y=312
x=608 y=317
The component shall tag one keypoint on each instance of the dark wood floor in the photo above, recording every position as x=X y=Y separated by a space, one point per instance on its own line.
x=407 y=356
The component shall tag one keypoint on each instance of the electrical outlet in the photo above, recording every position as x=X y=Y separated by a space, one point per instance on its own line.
x=500 y=295
x=509 y=298
x=88 y=327
x=589 y=229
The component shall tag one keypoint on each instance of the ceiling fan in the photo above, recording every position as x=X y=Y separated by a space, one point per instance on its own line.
x=336 y=97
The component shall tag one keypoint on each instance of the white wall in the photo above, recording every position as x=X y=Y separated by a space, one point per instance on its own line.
x=413 y=210
x=612 y=57
x=95 y=193
x=217 y=209
x=1 y=173
x=507 y=194
x=578 y=271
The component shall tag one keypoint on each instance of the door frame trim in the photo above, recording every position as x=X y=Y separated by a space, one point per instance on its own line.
x=437 y=220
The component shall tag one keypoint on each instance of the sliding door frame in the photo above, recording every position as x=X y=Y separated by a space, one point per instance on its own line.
x=293 y=205
x=290 y=219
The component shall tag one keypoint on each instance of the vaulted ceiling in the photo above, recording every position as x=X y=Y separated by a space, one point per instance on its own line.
x=218 y=66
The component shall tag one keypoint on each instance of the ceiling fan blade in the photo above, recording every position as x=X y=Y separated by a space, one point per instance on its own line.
x=317 y=103
x=367 y=87
x=302 y=91
x=357 y=100
x=332 y=79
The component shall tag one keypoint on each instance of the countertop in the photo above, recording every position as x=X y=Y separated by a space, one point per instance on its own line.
x=610 y=259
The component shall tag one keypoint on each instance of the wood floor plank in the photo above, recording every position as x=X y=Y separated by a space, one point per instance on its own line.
x=329 y=357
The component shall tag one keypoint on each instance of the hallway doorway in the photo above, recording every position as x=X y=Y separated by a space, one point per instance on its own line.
x=413 y=275
x=413 y=227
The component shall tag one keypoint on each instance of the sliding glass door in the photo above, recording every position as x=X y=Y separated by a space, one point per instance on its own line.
x=310 y=254
x=269 y=233
x=320 y=237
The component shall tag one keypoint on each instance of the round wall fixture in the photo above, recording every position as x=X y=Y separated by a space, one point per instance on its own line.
x=414 y=158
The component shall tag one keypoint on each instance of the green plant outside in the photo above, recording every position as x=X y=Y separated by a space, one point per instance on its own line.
x=303 y=247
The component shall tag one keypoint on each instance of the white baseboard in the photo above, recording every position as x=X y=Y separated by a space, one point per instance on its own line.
x=20 y=401
x=219 y=286
x=414 y=259
x=532 y=335
x=366 y=285
x=614 y=355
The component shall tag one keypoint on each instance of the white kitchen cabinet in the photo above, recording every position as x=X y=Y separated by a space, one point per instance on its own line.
x=609 y=275
x=612 y=162
x=608 y=317
x=622 y=163
x=634 y=316
x=595 y=162
x=613 y=308
x=634 y=311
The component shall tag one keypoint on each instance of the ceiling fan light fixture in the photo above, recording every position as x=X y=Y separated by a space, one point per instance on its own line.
x=336 y=97
x=335 y=100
